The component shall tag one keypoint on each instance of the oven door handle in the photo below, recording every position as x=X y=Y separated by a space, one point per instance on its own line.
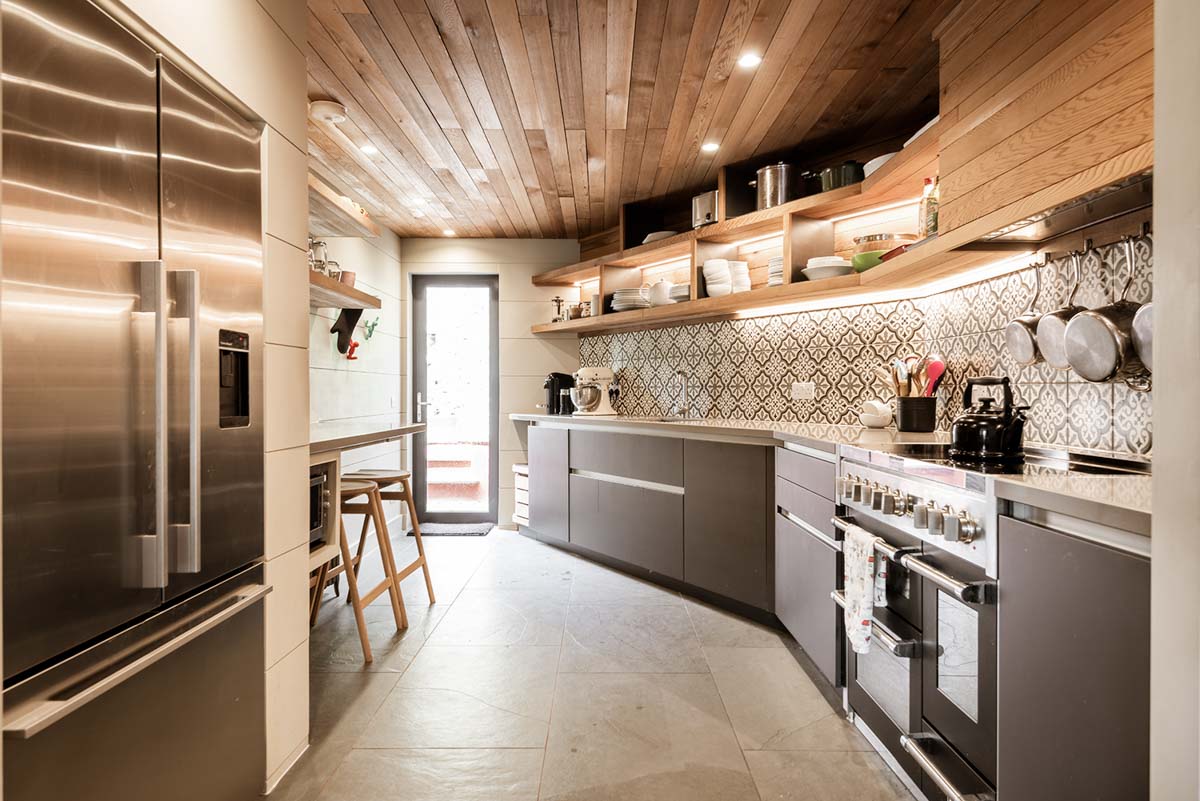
x=911 y=744
x=905 y=649
x=971 y=592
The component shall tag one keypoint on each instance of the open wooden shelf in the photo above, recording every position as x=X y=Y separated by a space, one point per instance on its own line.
x=330 y=214
x=325 y=293
x=931 y=261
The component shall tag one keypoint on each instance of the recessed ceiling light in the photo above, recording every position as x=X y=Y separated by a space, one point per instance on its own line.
x=417 y=200
x=369 y=149
x=417 y=213
x=749 y=60
x=710 y=147
x=448 y=232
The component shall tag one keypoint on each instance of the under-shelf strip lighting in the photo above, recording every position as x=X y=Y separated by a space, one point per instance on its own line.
x=759 y=243
x=876 y=209
x=1009 y=264
x=667 y=266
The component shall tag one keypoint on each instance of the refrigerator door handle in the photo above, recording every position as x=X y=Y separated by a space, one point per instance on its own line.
x=145 y=560
x=185 y=537
x=29 y=721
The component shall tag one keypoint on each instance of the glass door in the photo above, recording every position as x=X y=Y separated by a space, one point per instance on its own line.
x=455 y=392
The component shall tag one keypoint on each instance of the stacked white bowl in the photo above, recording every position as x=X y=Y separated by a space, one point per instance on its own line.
x=739 y=272
x=775 y=271
x=627 y=299
x=718 y=281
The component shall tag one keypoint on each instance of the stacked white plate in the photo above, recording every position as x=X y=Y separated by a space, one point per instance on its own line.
x=775 y=271
x=681 y=292
x=739 y=273
x=718 y=281
x=627 y=299
x=820 y=267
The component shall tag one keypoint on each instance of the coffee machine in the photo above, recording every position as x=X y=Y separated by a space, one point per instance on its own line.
x=555 y=399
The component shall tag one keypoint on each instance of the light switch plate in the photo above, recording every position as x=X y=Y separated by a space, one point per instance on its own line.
x=804 y=390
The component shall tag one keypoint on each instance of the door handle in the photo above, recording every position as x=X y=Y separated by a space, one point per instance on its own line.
x=145 y=557
x=184 y=546
x=905 y=649
x=420 y=406
x=911 y=744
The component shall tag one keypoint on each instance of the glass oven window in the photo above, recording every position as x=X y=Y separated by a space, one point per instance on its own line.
x=958 y=654
x=886 y=679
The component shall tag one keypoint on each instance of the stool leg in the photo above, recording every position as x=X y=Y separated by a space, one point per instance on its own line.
x=355 y=601
x=416 y=528
x=389 y=561
x=314 y=605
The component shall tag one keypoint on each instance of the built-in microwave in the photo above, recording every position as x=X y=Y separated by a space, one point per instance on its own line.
x=318 y=506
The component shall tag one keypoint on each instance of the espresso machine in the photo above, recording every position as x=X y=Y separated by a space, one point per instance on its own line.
x=558 y=402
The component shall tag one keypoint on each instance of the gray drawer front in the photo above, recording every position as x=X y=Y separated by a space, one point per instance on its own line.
x=640 y=526
x=806 y=571
x=657 y=459
x=727 y=539
x=815 y=475
x=808 y=506
x=548 y=481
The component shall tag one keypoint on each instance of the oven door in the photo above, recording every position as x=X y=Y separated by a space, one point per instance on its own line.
x=959 y=658
x=883 y=686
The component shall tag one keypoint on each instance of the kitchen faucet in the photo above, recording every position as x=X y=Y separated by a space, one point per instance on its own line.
x=683 y=408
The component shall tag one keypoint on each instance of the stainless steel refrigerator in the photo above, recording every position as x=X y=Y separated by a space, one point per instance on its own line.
x=131 y=306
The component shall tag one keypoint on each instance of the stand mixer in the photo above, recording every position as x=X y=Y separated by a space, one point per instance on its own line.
x=590 y=393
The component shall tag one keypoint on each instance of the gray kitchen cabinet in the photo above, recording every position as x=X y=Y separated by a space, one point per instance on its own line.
x=548 y=489
x=657 y=459
x=806 y=572
x=727 y=520
x=815 y=475
x=640 y=526
x=1073 y=668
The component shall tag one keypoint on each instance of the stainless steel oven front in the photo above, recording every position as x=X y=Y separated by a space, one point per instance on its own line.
x=318 y=505
x=927 y=689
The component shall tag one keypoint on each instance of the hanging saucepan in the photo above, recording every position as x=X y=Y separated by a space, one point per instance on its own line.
x=1100 y=341
x=1052 y=328
x=1143 y=335
x=1020 y=335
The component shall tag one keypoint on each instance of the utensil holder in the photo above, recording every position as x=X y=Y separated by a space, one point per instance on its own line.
x=916 y=414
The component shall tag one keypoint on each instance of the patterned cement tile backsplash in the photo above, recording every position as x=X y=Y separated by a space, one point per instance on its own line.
x=744 y=369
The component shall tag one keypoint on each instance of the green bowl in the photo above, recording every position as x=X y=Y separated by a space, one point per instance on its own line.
x=861 y=262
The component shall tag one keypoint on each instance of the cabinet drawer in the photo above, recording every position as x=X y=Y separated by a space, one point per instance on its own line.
x=815 y=475
x=806 y=571
x=521 y=481
x=548 y=481
x=810 y=507
x=657 y=459
x=522 y=496
x=640 y=526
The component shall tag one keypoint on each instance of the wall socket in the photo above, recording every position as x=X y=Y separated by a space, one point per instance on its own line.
x=804 y=390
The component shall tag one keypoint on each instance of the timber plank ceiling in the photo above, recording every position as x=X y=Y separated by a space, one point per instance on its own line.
x=538 y=118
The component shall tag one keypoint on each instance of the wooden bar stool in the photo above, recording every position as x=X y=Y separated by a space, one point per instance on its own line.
x=372 y=508
x=385 y=478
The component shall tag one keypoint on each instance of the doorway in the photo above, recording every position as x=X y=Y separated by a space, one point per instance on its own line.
x=456 y=393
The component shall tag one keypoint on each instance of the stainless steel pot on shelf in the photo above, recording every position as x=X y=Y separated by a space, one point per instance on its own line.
x=774 y=184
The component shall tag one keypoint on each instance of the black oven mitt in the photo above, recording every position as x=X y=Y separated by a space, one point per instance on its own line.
x=344 y=328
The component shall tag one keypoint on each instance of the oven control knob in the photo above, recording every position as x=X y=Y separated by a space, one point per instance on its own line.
x=960 y=528
x=937 y=519
x=888 y=505
x=903 y=503
x=856 y=490
x=921 y=516
x=877 y=497
x=868 y=494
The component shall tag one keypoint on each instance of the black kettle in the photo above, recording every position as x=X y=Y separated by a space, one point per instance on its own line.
x=983 y=433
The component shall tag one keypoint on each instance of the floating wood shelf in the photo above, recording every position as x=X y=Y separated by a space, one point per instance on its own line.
x=330 y=214
x=326 y=293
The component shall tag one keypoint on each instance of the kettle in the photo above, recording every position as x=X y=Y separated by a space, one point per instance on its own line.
x=983 y=433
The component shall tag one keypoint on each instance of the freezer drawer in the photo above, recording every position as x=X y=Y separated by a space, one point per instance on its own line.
x=171 y=708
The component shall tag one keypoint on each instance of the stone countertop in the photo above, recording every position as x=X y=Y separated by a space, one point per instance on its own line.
x=341 y=435
x=1121 y=501
x=818 y=437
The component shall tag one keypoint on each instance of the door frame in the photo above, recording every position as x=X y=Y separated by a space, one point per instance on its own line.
x=420 y=373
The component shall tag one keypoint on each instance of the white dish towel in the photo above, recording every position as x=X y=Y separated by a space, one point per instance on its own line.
x=865 y=585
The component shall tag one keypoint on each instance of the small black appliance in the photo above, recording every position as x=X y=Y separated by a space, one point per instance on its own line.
x=555 y=384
